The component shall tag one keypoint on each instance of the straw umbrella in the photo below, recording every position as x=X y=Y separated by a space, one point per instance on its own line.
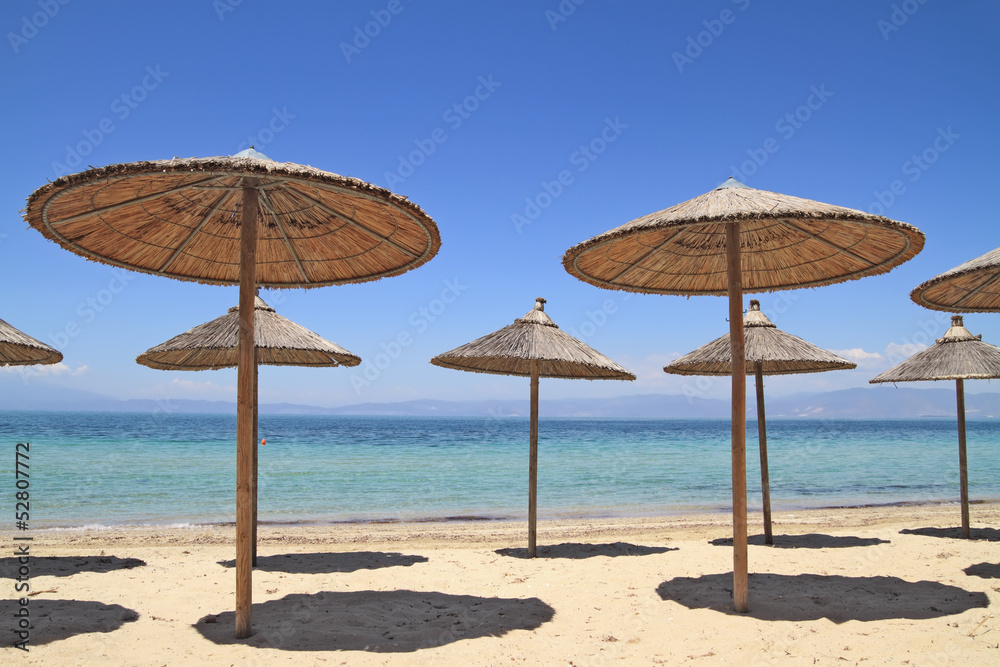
x=735 y=239
x=277 y=341
x=19 y=349
x=972 y=287
x=768 y=351
x=236 y=220
x=533 y=346
x=958 y=356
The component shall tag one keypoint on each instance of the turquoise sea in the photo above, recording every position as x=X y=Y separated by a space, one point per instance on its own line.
x=104 y=469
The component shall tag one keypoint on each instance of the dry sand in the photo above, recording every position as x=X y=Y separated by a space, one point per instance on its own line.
x=840 y=587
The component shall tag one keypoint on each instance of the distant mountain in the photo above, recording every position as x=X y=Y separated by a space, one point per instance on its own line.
x=860 y=403
x=882 y=402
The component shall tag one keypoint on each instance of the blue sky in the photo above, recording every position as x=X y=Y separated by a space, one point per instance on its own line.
x=472 y=110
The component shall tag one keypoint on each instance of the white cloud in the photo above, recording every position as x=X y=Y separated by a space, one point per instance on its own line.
x=857 y=354
x=50 y=370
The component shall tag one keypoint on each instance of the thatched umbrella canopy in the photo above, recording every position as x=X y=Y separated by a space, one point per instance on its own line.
x=278 y=342
x=768 y=351
x=958 y=356
x=972 y=287
x=19 y=349
x=245 y=220
x=533 y=346
x=735 y=239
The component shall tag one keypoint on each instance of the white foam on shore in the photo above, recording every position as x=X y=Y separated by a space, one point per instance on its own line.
x=126 y=526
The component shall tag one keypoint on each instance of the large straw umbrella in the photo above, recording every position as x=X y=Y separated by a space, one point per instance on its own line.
x=972 y=287
x=19 y=349
x=277 y=341
x=242 y=220
x=735 y=239
x=533 y=346
x=768 y=351
x=958 y=356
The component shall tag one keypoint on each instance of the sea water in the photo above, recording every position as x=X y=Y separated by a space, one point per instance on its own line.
x=107 y=469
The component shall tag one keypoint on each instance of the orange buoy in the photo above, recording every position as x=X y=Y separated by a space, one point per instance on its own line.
x=263 y=442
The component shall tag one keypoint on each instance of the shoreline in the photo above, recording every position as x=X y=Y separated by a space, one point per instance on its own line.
x=485 y=519
x=504 y=532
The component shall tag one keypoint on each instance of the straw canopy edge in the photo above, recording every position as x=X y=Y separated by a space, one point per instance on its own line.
x=19 y=349
x=970 y=287
x=787 y=242
x=534 y=337
x=958 y=355
x=180 y=218
x=775 y=351
x=214 y=345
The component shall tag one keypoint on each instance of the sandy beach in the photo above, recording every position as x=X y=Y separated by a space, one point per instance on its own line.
x=885 y=585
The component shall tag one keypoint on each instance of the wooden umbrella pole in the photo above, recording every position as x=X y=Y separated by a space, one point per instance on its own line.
x=963 y=468
x=735 y=283
x=533 y=462
x=765 y=482
x=256 y=439
x=246 y=393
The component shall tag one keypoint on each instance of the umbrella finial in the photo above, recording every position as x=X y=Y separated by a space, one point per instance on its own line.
x=732 y=183
x=251 y=152
x=956 y=332
x=540 y=304
x=755 y=318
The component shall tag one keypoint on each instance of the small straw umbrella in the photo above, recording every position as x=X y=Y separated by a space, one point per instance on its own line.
x=277 y=341
x=19 y=349
x=236 y=220
x=734 y=239
x=768 y=351
x=958 y=356
x=533 y=346
x=972 y=287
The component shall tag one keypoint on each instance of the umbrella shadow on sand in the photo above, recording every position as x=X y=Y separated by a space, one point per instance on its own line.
x=330 y=563
x=55 y=620
x=806 y=541
x=576 y=550
x=378 y=621
x=984 y=570
x=67 y=566
x=810 y=597
x=987 y=534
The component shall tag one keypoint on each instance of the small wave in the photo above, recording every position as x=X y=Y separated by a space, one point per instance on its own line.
x=183 y=525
